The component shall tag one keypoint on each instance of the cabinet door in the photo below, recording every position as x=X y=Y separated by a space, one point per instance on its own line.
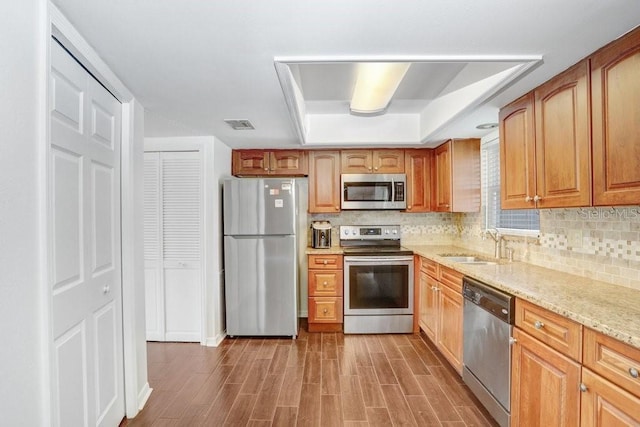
x=604 y=404
x=324 y=181
x=517 y=154
x=615 y=91
x=544 y=385
x=429 y=319
x=356 y=161
x=442 y=175
x=325 y=310
x=449 y=335
x=388 y=161
x=325 y=283
x=250 y=162
x=418 y=170
x=288 y=163
x=563 y=140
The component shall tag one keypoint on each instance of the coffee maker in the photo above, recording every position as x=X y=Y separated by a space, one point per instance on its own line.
x=321 y=234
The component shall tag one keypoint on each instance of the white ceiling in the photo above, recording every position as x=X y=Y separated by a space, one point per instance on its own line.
x=194 y=63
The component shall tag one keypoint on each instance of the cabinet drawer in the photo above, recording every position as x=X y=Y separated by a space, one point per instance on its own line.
x=451 y=278
x=325 y=310
x=613 y=359
x=325 y=283
x=554 y=330
x=325 y=262
x=430 y=267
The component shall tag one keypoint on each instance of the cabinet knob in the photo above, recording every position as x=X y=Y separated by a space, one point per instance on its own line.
x=528 y=199
x=266 y=169
x=512 y=340
x=583 y=387
x=538 y=324
x=376 y=168
x=325 y=262
x=325 y=311
x=537 y=198
x=633 y=372
x=324 y=283
x=369 y=167
x=409 y=207
x=337 y=208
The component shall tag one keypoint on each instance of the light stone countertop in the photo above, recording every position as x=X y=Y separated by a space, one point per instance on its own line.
x=333 y=250
x=611 y=309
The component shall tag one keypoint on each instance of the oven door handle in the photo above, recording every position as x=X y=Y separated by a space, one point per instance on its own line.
x=385 y=259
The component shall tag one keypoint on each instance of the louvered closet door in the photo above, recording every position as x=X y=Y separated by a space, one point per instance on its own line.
x=173 y=242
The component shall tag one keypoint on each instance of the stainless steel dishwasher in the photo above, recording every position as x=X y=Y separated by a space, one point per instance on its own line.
x=487 y=327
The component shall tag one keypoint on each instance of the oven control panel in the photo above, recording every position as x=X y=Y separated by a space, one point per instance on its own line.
x=369 y=232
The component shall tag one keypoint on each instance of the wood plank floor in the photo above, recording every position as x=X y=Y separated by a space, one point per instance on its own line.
x=327 y=379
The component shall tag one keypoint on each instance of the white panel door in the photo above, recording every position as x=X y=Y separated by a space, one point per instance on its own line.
x=85 y=251
x=173 y=239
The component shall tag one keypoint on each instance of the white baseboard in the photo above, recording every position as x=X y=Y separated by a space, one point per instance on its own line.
x=215 y=341
x=143 y=396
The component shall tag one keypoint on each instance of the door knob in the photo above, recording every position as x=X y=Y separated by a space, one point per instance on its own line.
x=106 y=289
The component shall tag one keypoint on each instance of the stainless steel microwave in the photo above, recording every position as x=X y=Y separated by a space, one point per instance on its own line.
x=373 y=191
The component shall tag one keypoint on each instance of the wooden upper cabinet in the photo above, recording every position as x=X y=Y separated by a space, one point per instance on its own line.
x=288 y=162
x=269 y=162
x=324 y=181
x=417 y=166
x=615 y=97
x=563 y=139
x=372 y=161
x=517 y=154
x=250 y=162
x=456 y=175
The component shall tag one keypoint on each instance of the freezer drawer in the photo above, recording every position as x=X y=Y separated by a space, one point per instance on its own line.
x=261 y=285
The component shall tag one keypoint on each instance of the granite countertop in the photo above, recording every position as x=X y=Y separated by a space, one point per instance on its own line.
x=333 y=250
x=611 y=309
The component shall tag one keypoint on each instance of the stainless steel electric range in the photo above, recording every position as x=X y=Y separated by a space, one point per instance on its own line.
x=378 y=282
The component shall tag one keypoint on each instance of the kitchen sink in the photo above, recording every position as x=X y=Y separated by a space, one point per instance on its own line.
x=468 y=259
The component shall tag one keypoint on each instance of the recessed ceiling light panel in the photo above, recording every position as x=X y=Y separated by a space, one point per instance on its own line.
x=239 y=124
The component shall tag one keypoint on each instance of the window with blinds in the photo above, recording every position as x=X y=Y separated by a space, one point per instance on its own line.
x=495 y=217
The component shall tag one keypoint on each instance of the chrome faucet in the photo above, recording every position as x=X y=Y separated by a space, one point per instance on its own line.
x=497 y=238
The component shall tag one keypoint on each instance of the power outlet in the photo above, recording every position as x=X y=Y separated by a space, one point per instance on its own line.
x=574 y=238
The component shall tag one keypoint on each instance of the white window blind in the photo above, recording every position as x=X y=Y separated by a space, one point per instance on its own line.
x=181 y=214
x=495 y=217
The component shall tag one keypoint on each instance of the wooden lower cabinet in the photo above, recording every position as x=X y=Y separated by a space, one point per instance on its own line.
x=564 y=374
x=604 y=404
x=441 y=310
x=449 y=335
x=544 y=385
x=325 y=293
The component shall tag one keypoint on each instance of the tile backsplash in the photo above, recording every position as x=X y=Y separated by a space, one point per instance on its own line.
x=601 y=243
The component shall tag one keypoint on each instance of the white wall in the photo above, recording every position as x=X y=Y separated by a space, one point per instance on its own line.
x=23 y=356
x=222 y=169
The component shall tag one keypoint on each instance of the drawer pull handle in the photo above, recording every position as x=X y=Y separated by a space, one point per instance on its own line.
x=538 y=324
x=633 y=372
x=583 y=387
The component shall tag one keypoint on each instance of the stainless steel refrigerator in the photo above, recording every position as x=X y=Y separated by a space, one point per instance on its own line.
x=261 y=256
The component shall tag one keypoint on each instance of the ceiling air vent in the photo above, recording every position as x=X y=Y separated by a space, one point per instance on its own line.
x=239 y=124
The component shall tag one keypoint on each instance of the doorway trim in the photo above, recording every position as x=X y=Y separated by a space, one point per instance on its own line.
x=136 y=386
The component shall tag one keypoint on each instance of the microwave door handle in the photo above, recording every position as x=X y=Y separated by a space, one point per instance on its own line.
x=393 y=191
